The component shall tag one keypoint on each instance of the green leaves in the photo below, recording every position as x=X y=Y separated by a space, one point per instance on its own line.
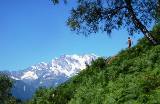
x=6 y=85
x=93 y=16
x=55 y=1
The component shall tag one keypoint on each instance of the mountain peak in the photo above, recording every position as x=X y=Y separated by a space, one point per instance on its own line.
x=50 y=74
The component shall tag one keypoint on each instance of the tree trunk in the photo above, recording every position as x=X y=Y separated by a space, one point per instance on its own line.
x=139 y=24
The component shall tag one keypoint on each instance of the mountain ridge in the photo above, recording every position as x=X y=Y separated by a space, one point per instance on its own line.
x=49 y=74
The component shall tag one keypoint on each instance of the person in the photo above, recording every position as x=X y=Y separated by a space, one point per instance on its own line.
x=129 y=42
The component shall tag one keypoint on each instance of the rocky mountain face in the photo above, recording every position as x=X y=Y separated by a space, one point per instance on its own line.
x=47 y=74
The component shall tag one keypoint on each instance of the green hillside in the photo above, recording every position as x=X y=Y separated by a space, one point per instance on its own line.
x=130 y=77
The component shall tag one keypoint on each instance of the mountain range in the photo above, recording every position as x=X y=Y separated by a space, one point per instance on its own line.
x=47 y=75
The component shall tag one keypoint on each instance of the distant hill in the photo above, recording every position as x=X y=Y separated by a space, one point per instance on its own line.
x=47 y=74
x=130 y=77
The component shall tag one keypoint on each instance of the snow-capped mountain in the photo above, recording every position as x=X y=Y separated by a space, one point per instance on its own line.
x=48 y=74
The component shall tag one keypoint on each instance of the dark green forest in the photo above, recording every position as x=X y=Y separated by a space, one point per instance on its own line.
x=130 y=77
x=6 y=84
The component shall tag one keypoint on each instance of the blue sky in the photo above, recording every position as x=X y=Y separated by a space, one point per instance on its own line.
x=33 y=31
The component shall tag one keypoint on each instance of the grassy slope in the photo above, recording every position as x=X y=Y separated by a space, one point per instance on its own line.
x=132 y=77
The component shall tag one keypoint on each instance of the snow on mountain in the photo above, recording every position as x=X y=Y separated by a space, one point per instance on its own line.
x=48 y=74
x=29 y=75
x=66 y=64
x=14 y=78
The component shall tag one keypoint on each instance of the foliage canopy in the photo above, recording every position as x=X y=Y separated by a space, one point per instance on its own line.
x=6 y=85
x=92 y=16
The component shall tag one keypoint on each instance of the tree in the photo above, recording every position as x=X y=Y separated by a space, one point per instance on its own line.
x=158 y=11
x=91 y=16
x=6 y=85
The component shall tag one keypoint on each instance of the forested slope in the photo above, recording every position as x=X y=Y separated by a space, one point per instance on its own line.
x=130 y=77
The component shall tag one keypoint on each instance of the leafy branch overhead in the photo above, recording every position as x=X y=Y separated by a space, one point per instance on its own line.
x=92 y=16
